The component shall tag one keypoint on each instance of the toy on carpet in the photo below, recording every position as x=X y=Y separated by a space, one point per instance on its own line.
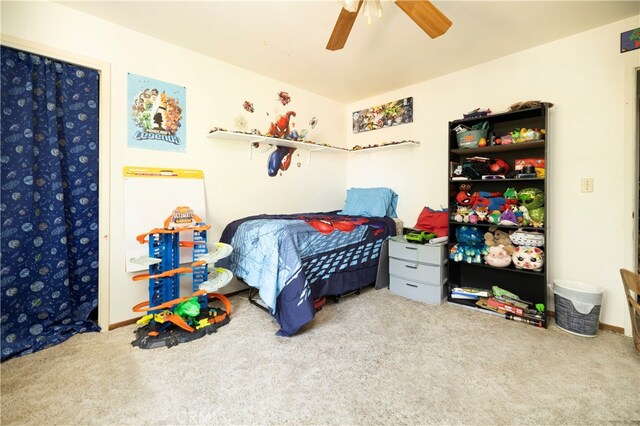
x=171 y=319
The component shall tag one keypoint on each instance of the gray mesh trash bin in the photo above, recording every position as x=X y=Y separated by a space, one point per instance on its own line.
x=577 y=307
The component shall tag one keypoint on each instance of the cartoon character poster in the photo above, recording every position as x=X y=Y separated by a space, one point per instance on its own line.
x=157 y=114
x=630 y=40
x=386 y=115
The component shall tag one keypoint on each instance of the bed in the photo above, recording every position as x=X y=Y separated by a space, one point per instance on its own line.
x=294 y=259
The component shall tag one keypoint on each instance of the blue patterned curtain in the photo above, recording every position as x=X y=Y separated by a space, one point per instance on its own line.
x=49 y=201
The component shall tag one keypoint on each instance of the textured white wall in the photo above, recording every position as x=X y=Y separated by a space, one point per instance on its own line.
x=592 y=132
x=235 y=186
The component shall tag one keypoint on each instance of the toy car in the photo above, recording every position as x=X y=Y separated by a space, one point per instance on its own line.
x=419 y=237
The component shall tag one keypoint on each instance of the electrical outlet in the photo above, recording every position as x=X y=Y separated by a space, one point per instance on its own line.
x=587 y=184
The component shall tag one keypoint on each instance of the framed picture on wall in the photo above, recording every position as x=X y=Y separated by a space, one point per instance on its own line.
x=630 y=40
x=385 y=115
x=157 y=114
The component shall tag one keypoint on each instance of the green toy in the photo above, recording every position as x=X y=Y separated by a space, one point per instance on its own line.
x=531 y=198
x=419 y=237
x=188 y=309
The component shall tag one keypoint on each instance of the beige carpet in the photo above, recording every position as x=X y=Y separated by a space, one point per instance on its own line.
x=376 y=358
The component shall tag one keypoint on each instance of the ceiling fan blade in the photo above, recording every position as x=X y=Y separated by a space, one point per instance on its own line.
x=342 y=28
x=426 y=15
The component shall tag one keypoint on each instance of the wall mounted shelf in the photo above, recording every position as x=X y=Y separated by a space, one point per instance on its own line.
x=253 y=139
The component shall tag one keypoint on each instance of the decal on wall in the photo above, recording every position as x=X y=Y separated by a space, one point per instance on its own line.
x=630 y=40
x=157 y=114
x=248 y=106
x=386 y=115
x=284 y=97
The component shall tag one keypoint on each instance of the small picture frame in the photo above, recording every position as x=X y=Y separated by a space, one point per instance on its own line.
x=630 y=40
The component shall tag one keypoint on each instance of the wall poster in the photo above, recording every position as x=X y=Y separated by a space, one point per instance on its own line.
x=157 y=114
x=386 y=115
x=630 y=40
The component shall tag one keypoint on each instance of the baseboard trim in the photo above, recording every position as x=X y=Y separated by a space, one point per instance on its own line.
x=123 y=323
x=601 y=326
x=133 y=320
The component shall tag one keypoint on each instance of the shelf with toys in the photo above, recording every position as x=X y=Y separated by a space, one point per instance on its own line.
x=497 y=202
x=254 y=140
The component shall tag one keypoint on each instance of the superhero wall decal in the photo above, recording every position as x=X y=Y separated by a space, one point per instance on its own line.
x=281 y=127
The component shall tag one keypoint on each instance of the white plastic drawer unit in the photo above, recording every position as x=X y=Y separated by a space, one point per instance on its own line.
x=418 y=271
x=399 y=248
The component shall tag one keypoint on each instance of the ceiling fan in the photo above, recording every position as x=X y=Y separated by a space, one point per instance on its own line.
x=422 y=12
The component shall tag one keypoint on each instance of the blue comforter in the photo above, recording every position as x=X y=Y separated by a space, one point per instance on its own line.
x=294 y=259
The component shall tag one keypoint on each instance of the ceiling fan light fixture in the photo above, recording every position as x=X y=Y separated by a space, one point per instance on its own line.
x=350 y=5
x=368 y=9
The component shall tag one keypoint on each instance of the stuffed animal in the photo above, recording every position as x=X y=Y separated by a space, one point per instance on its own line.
x=462 y=214
x=511 y=200
x=494 y=217
x=497 y=238
x=470 y=247
x=482 y=212
x=508 y=217
x=498 y=257
x=527 y=257
x=529 y=104
x=463 y=198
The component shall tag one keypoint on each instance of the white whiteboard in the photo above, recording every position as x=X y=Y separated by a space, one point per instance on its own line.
x=150 y=196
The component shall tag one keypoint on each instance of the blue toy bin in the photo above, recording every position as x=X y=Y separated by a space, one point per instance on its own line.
x=577 y=307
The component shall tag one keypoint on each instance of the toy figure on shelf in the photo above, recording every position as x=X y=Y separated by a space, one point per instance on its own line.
x=470 y=247
x=492 y=200
x=527 y=257
x=533 y=200
x=171 y=319
x=511 y=200
x=500 y=248
x=462 y=214
x=482 y=212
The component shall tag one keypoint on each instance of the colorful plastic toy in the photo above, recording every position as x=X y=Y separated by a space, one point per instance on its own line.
x=172 y=319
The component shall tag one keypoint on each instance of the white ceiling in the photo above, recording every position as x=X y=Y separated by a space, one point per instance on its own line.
x=286 y=40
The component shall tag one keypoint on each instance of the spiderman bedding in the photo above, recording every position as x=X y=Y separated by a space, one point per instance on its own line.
x=294 y=259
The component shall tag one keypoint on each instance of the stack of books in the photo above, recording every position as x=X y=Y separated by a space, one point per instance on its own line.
x=514 y=309
x=469 y=293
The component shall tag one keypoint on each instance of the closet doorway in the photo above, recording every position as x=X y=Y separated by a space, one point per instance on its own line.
x=103 y=70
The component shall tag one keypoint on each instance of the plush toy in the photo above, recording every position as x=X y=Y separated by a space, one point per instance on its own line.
x=531 y=198
x=470 y=247
x=463 y=198
x=482 y=212
x=494 y=217
x=537 y=217
x=529 y=104
x=522 y=215
x=511 y=200
x=499 y=238
x=497 y=257
x=462 y=214
x=492 y=200
x=508 y=217
x=527 y=257
x=473 y=217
